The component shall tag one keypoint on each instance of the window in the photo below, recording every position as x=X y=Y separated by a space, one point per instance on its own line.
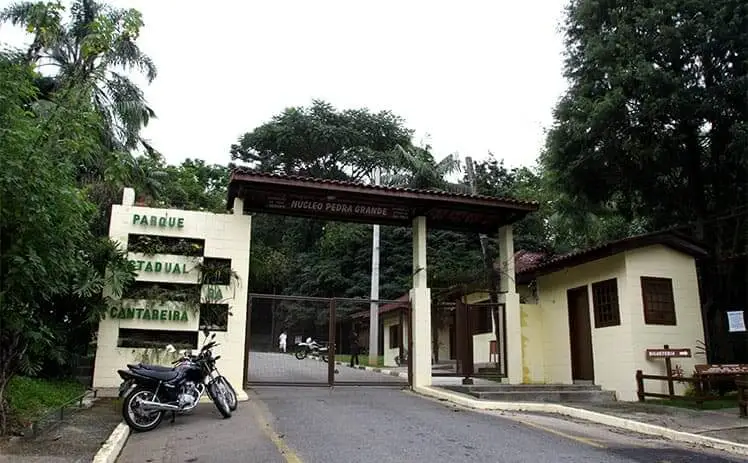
x=216 y=271
x=481 y=319
x=150 y=290
x=152 y=244
x=605 y=302
x=214 y=317
x=394 y=336
x=157 y=338
x=657 y=299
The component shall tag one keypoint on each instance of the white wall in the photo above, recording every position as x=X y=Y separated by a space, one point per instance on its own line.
x=661 y=261
x=389 y=354
x=613 y=352
x=226 y=236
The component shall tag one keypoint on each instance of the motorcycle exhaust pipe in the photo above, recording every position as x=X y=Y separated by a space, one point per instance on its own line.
x=147 y=404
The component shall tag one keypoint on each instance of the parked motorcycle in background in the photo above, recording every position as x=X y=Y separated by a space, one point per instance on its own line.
x=311 y=348
x=151 y=390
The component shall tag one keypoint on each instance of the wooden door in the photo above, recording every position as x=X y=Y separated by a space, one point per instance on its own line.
x=580 y=335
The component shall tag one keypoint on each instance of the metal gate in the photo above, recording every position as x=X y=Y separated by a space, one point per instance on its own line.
x=330 y=323
x=476 y=319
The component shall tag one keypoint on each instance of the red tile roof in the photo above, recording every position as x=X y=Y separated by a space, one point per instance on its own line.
x=669 y=238
x=248 y=172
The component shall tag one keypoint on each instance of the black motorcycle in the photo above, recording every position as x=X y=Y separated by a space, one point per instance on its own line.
x=151 y=390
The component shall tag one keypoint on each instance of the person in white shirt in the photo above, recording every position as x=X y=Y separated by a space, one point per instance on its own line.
x=282 y=341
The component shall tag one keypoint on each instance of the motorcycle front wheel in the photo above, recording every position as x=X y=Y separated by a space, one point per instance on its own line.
x=135 y=416
x=301 y=353
x=219 y=398
x=230 y=393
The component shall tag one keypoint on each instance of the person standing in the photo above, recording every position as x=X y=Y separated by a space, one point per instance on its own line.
x=282 y=341
x=355 y=346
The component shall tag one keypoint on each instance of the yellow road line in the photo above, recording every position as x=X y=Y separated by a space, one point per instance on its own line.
x=583 y=440
x=288 y=454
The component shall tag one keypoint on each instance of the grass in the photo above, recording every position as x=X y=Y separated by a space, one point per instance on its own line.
x=31 y=397
x=362 y=360
x=728 y=401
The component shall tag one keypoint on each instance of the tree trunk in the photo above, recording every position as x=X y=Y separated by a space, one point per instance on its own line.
x=12 y=350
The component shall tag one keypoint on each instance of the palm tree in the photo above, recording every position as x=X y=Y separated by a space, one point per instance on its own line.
x=416 y=168
x=93 y=50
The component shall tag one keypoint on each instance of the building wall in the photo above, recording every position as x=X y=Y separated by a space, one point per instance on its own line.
x=661 y=261
x=613 y=354
x=226 y=236
x=533 y=361
x=390 y=353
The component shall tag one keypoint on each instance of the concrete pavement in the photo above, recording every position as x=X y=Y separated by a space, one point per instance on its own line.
x=270 y=366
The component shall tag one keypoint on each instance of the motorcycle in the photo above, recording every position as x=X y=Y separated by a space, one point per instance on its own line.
x=313 y=348
x=189 y=356
x=149 y=391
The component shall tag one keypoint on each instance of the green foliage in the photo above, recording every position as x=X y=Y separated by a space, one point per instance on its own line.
x=150 y=245
x=653 y=133
x=29 y=398
x=54 y=268
x=90 y=51
x=320 y=141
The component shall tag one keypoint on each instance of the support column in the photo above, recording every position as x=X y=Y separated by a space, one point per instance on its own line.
x=510 y=298
x=420 y=299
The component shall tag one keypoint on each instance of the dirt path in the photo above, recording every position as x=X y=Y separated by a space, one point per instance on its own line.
x=77 y=439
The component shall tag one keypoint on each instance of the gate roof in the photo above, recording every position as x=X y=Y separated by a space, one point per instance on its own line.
x=357 y=202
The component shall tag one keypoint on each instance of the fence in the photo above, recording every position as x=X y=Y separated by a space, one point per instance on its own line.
x=57 y=414
x=698 y=382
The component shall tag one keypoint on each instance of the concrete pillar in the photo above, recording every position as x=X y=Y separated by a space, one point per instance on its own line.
x=128 y=197
x=238 y=206
x=420 y=299
x=510 y=298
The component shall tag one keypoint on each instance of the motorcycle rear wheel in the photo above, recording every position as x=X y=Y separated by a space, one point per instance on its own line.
x=129 y=405
x=219 y=398
x=301 y=353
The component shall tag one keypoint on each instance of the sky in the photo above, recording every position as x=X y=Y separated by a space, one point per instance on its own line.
x=469 y=77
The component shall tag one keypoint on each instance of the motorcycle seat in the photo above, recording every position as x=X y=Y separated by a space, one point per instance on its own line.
x=160 y=375
x=146 y=366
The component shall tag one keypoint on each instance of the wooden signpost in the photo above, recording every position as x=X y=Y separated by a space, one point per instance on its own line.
x=667 y=353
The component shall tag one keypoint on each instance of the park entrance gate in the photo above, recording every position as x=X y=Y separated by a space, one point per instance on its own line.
x=329 y=322
x=250 y=191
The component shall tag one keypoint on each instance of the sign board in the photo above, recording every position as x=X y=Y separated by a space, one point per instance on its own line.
x=155 y=221
x=131 y=313
x=669 y=353
x=733 y=369
x=736 y=321
x=341 y=207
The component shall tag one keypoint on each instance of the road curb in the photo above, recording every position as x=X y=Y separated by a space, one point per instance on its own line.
x=111 y=449
x=384 y=371
x=595 y=417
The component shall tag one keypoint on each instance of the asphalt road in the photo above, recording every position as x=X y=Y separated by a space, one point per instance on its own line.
x=381 y=425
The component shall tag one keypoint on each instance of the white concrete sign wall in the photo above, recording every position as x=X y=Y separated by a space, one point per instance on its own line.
x=226 y=236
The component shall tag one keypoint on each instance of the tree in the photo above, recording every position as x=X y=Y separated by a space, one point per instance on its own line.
x=320 y=141
x=92 y=50
x=654 y=125
x=47 y=250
